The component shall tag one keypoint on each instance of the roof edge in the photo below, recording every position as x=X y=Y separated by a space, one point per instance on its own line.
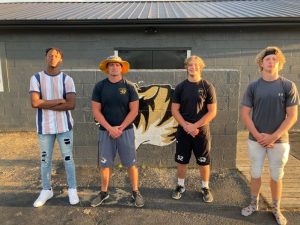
x=188 y=23
x=105 y=1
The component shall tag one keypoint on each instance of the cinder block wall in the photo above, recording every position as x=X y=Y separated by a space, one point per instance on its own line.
x=224 y=127
x=22 y=55
x=230 y=48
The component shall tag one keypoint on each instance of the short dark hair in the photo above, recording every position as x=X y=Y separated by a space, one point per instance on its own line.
x=53 y=48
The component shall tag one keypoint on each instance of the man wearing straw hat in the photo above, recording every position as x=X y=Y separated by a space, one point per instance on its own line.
x=115 y=104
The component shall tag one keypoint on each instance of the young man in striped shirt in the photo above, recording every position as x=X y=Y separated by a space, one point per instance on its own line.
x=53 y=95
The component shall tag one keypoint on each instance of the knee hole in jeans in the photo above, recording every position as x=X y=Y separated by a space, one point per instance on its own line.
x=44 y=154
x=67 y=141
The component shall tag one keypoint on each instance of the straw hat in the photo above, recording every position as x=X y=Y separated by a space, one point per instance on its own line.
x=114 y=59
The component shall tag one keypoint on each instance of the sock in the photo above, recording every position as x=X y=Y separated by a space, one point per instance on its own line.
x=254 y=200
x=205 y=184
x=280 y=219
x=181 y=182
x=276 y=204
x=253 y=207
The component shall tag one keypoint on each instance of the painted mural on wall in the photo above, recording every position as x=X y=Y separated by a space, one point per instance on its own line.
x=155 y=124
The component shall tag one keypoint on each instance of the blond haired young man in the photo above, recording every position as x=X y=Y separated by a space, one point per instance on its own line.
x=273 y=101
x=194 y=106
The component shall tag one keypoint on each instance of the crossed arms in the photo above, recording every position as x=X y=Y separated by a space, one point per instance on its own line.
x=55 y=104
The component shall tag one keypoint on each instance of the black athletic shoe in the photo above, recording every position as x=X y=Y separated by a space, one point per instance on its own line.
x=177 y=193
x=101 y=197
x=207 y=195
x=137 y=199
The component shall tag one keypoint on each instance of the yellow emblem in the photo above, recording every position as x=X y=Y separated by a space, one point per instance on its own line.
x=122 y=91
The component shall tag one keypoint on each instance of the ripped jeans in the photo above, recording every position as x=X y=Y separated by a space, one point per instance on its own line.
x=65 y=141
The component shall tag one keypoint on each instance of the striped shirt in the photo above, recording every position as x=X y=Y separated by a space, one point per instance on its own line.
x=52 y=87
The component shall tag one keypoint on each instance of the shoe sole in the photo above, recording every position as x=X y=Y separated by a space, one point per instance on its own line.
x=207 y=201
x=249 y=214
x=139 y=206
x=177 y=198
x=74 y=203
x=95 y=205
x=37 y=206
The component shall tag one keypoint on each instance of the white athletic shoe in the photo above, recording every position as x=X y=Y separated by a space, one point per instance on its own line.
x=73 y=197
x=43 y=197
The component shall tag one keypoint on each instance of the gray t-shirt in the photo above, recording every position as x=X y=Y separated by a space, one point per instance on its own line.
x=269 y=100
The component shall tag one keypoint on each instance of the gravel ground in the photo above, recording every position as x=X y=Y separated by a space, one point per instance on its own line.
x=20 y=185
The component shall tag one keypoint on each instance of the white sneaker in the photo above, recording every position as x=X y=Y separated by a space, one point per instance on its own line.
x=73 y=197
x=43 y=197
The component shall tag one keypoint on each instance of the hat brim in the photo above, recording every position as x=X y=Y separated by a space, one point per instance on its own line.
x=104 y=69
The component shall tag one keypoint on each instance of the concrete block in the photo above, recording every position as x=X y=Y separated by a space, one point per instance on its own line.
x=217 y=128
x=222 y=91
x=88 y=117
x=226 y=117
x=82 y=77
x=233 y=90
x=234 y=77
x=234 y=103
x=79 y=90
x=88 y=90
x=150 y=155
x=86 y=152
x=222 y=103
x=231 y=129
x=78 y=116
x=85 y=134
x=83 y=103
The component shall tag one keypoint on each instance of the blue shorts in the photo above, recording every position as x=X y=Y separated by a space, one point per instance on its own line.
x=124 y=145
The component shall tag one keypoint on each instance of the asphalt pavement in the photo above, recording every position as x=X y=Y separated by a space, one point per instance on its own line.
x=229 y=188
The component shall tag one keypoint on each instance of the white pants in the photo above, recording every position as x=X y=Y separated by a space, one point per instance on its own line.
x=277 y=156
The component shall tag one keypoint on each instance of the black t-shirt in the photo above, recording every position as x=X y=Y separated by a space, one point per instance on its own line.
x=114 y=99
x=193 y=98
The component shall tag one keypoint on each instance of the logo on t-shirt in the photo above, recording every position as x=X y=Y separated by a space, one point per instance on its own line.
x=122 y=91
x=282 y=98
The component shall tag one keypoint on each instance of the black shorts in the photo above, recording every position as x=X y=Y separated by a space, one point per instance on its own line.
x=200 y=145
